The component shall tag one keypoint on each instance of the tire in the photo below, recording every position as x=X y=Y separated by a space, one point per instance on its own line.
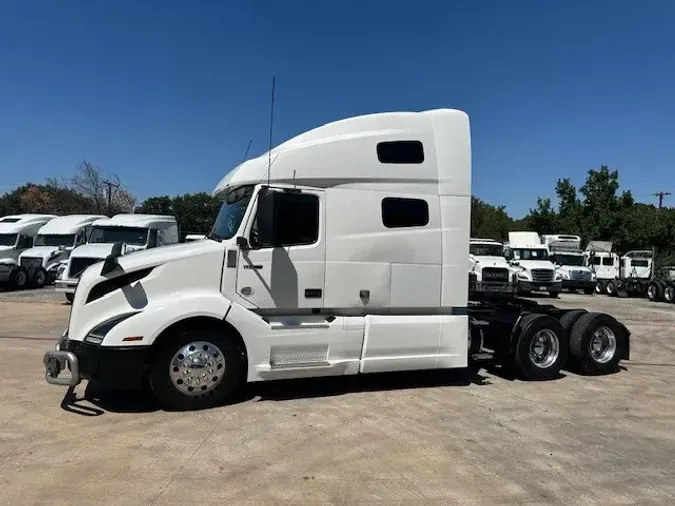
x=655 y=291
x=18 y=278
x=38 y=277
x=570 y=318
x=553 y=294
x=531 y=365
x=600 y=287
x=597 y=342
x=590 y=290
x=669 y=293
x=226 y=374
x=610 y=288
x=70 y=297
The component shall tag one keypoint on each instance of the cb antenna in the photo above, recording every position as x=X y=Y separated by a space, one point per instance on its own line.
x=269 y=151
x=247 y=148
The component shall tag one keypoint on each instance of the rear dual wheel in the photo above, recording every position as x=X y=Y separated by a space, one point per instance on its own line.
x=37 y=277
x=541 y=349
x=597 y=343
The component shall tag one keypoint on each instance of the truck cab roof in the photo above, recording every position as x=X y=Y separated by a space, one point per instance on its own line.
x=372 y=152
x=17 y=223
x=134 y=220
x=70 y=224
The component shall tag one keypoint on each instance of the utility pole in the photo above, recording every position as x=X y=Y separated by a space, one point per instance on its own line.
x=660 y=195
x=110 y=185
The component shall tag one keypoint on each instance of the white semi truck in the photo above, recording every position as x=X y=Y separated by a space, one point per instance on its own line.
x=52 y=246
x=489 y=272
x=342 y=251
x=529 y=257
x=628 y=274
x=565 y=252
x=17 y=233
x=135 y=231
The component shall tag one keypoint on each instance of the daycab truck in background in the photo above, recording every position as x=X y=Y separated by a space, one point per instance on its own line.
x=336 y=265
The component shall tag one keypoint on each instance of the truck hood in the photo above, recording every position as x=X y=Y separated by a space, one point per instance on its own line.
x=572 y=268
x=98 y=250
x=536 y=264
x=170 y=253
x=43 y=252
x=489 y=261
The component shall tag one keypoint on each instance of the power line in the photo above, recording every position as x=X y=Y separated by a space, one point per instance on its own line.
x=660 y=195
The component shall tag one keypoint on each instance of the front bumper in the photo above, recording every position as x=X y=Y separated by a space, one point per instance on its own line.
x=122 y=368
x=65 y=286
x=529 y=286
x=492 y=287
x=577 y=284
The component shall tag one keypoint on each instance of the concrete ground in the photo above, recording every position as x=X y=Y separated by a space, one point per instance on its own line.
x=388 y=439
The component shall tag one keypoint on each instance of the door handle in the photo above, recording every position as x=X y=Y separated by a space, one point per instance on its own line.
x=313 y=293
x=251 y=266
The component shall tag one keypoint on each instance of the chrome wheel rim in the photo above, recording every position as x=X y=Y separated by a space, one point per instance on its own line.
x=597 y=288
x=40 y=278
x=610 y=288
x=603 y=345
x=669 y=293
x=197 y=368
x=651 y=292
x=544 y=348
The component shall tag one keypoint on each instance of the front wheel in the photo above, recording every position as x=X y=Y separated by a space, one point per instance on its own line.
x=542 y=347
x=610 y=288
x=38 y=277
x=196 y=369
x=70 y=297
x=553 y=294
x=18 y=278
x=589 y=290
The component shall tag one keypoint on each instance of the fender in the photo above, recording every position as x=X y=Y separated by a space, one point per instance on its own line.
x=157 y=317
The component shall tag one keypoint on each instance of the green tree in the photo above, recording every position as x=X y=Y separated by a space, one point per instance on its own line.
x=488 y=221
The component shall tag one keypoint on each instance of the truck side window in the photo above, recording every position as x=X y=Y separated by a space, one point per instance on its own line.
x=607 y=261
x=296 y=222
x=400 y=152
x=596 y=260
x=402 y=212
x=25 y=242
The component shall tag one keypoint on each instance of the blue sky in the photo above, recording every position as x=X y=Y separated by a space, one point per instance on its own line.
x=168 y=93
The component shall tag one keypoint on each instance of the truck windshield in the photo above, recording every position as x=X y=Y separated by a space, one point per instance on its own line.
x=530 y=254
x=55 y=240
x=575 y=260
x=7 y=239
x=137 y=236
x=486 y=250
x=231 y=213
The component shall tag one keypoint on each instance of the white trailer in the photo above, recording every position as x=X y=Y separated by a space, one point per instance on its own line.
x=52 y=246
x=346 y=255
x=17 y=233
x=489 y=272
x=565 y=252
x=535 y=272
x=134 y=231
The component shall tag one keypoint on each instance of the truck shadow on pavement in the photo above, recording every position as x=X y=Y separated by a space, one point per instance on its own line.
x=96 y=402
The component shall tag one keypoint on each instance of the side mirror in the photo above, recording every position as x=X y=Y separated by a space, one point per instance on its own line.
x=111 y=260
x=242 y=242
x=515 y=262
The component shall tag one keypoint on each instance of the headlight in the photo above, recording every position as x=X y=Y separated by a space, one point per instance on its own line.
x=523 y=275
x=558 y=277
x=562 y=275
x=98 y=333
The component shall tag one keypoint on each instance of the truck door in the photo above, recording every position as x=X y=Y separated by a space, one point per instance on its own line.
x=283 y=266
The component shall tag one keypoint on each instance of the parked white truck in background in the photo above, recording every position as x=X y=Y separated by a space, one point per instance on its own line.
x=346 y=255
x=52 y=246
x=534 y=270
x=489 y=272
x=135 y=231
x=17 y=233
x=565 y=252
x=628 y=274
